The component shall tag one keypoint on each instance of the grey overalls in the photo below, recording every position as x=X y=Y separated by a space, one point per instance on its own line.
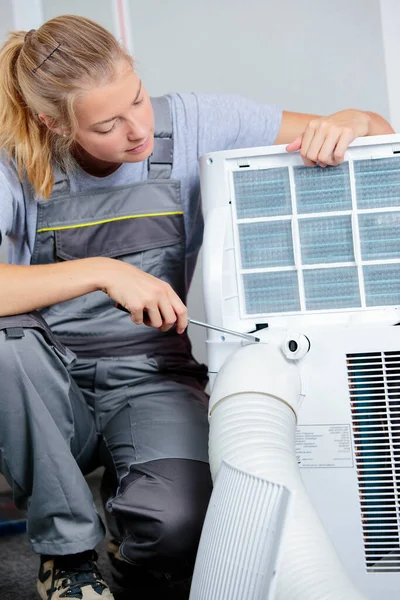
x=134 y=388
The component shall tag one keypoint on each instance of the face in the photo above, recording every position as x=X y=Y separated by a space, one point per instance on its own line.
x=115 y=121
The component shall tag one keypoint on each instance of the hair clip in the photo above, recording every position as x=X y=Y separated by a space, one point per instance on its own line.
x=47 y=58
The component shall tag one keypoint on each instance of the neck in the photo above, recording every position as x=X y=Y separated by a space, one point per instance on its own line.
x=93 y=166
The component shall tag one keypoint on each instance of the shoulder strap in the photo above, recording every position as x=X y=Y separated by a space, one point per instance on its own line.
x=160 y=162
x=61 y=182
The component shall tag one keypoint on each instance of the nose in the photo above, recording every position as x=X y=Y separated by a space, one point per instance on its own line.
x=136 y=129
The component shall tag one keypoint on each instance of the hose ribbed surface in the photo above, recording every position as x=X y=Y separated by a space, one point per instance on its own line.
x=239 y=546
x=256 y=433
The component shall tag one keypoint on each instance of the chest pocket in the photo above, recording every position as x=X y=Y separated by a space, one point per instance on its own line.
x=155 y=244
x=119 y=236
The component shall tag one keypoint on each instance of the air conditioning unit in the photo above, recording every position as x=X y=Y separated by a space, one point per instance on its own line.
x=309 y=260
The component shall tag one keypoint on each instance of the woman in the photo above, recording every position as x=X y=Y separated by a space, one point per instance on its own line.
x=100 y=201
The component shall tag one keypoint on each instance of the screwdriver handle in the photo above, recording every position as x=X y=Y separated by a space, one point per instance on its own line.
x=120 y=307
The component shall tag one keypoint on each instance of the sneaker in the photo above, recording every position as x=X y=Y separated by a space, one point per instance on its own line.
x=128 y=576
x=123 y=572
x=69 y=577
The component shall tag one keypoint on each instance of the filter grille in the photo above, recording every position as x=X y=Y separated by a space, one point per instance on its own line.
x=374 y=386
x=318 y=239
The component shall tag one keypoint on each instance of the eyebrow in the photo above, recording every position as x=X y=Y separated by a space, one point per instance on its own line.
x=116 y=117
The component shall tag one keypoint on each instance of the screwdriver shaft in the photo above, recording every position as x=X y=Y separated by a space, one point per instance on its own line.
x=246 y=336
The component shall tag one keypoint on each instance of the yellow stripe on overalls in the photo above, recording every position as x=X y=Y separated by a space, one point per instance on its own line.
x=161 y=214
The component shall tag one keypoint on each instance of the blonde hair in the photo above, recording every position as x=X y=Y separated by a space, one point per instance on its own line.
x=44 y=71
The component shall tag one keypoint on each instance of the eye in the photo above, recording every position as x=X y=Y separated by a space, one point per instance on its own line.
x=108 y=130
x=138 y=102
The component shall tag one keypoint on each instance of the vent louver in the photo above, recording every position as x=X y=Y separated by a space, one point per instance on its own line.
x=374 y=385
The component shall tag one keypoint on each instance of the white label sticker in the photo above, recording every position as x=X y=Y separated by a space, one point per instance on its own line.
x=324 y=446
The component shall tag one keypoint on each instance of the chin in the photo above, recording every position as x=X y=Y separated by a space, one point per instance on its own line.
x=135 y=158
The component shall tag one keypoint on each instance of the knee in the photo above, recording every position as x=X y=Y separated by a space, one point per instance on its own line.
x=177 y=533
x=166 y=537
x=165 y=516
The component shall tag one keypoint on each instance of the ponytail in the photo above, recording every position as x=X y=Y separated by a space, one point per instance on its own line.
x=21 y=135
x=43 y=72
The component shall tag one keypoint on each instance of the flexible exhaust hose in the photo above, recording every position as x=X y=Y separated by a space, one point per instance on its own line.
x=239 y=544
x=253 y=411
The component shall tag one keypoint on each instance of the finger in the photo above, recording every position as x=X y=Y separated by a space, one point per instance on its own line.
x=325 y=155
x=295 y=145
x=168 y=314
x=306 y=142
x=153 y=317
x=309 y=163
x=180 y=312
x=313 y=151
x=345 y=139
x=137 y=316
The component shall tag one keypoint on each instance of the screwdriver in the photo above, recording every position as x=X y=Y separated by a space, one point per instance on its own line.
x=246 y=336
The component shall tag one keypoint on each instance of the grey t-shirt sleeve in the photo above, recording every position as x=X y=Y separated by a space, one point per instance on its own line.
x=228 y=121
x=6 y=209
x=12 y=220
x=225 y=121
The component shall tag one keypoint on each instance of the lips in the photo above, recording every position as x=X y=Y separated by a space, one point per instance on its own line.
x=140 y=148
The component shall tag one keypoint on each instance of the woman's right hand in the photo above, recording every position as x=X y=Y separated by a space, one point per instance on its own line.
x=149 y=300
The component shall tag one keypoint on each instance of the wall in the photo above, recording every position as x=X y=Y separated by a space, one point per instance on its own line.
x=6 y=18
x=306 y=56
x=99 y=10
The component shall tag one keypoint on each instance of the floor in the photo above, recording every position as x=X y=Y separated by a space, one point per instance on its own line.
x=19 y=567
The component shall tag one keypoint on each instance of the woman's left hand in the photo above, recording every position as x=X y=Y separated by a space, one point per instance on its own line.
x=325 y=139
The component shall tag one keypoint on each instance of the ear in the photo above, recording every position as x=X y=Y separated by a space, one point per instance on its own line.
x=52 y=124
